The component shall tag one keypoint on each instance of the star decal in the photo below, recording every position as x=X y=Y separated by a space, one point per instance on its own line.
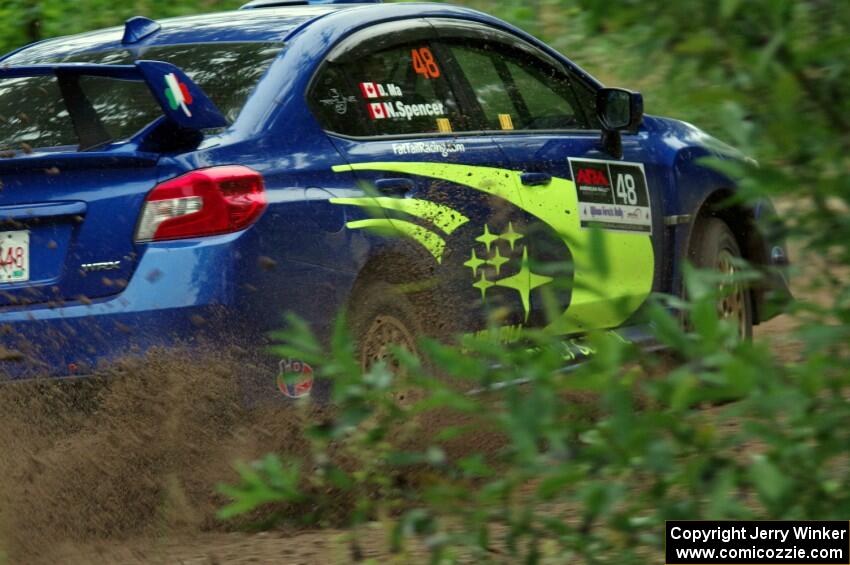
x=524 y=282
x=487 y=238
x=497 y=261
x=475 y=263
x=511 y=236
x=483 y=285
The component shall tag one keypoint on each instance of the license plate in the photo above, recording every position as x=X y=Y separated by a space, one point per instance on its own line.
x=14 y=256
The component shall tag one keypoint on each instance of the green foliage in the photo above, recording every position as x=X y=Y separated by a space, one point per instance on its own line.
x=25 y=21
x=591 y=462
x=263 y=482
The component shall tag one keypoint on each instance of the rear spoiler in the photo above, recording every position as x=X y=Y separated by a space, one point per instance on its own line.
x=182 y=101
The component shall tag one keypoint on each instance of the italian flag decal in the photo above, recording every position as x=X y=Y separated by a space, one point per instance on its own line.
x=178 y=94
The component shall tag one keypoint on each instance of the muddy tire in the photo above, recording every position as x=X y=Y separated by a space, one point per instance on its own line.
x=380 y=316
x=714 y=247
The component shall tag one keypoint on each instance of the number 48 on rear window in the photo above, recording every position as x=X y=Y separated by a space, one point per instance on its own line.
x=424 y=63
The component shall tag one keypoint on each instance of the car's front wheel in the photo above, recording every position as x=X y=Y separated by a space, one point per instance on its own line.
x=714 y=247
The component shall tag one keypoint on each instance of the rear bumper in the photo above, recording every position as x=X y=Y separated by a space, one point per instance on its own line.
x=182 y=293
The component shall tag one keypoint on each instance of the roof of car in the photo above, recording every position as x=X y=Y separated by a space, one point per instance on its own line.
x=261 y=24
x=265 y=24
x=327 y=22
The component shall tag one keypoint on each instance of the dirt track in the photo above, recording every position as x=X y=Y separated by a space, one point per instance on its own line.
x=134 y=483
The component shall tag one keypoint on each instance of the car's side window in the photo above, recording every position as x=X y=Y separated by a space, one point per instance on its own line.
x=587 y=100
x=401 y=90
x=335 y=104
x=514 y=89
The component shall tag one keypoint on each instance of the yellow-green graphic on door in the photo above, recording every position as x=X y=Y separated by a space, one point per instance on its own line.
x=601 y=298
x=523 y=282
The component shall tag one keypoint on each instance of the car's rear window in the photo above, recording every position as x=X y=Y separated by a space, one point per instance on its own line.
x=34 y=114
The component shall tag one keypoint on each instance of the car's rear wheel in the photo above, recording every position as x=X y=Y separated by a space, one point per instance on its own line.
x=381 y=318
x=383 y=333
x=714 y=247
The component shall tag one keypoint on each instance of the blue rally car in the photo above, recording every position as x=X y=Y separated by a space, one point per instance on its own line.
x=426 y=169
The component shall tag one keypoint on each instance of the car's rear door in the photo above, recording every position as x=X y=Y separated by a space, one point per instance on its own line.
x=596 y=223
x=390 y=109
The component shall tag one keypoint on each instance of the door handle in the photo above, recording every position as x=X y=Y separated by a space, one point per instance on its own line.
x=395 y=186
x=535 y=179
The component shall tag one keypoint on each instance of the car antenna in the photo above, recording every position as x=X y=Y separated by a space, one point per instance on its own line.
x=138 y=28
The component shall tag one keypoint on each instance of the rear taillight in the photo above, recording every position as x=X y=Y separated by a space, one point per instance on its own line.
x=204 y=202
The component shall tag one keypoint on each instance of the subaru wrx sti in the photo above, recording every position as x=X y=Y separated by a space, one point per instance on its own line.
x=421 y=167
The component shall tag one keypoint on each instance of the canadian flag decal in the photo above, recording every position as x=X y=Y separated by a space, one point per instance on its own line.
x=369 y=89
x=377 y=111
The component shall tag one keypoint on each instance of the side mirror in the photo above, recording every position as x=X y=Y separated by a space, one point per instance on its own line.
x=619 y=109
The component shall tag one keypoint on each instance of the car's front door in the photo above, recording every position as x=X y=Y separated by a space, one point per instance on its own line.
x=388 y=106
x=595 y=221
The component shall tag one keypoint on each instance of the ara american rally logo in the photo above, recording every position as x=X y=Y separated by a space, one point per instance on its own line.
x=178 y=94
x=592 y=177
